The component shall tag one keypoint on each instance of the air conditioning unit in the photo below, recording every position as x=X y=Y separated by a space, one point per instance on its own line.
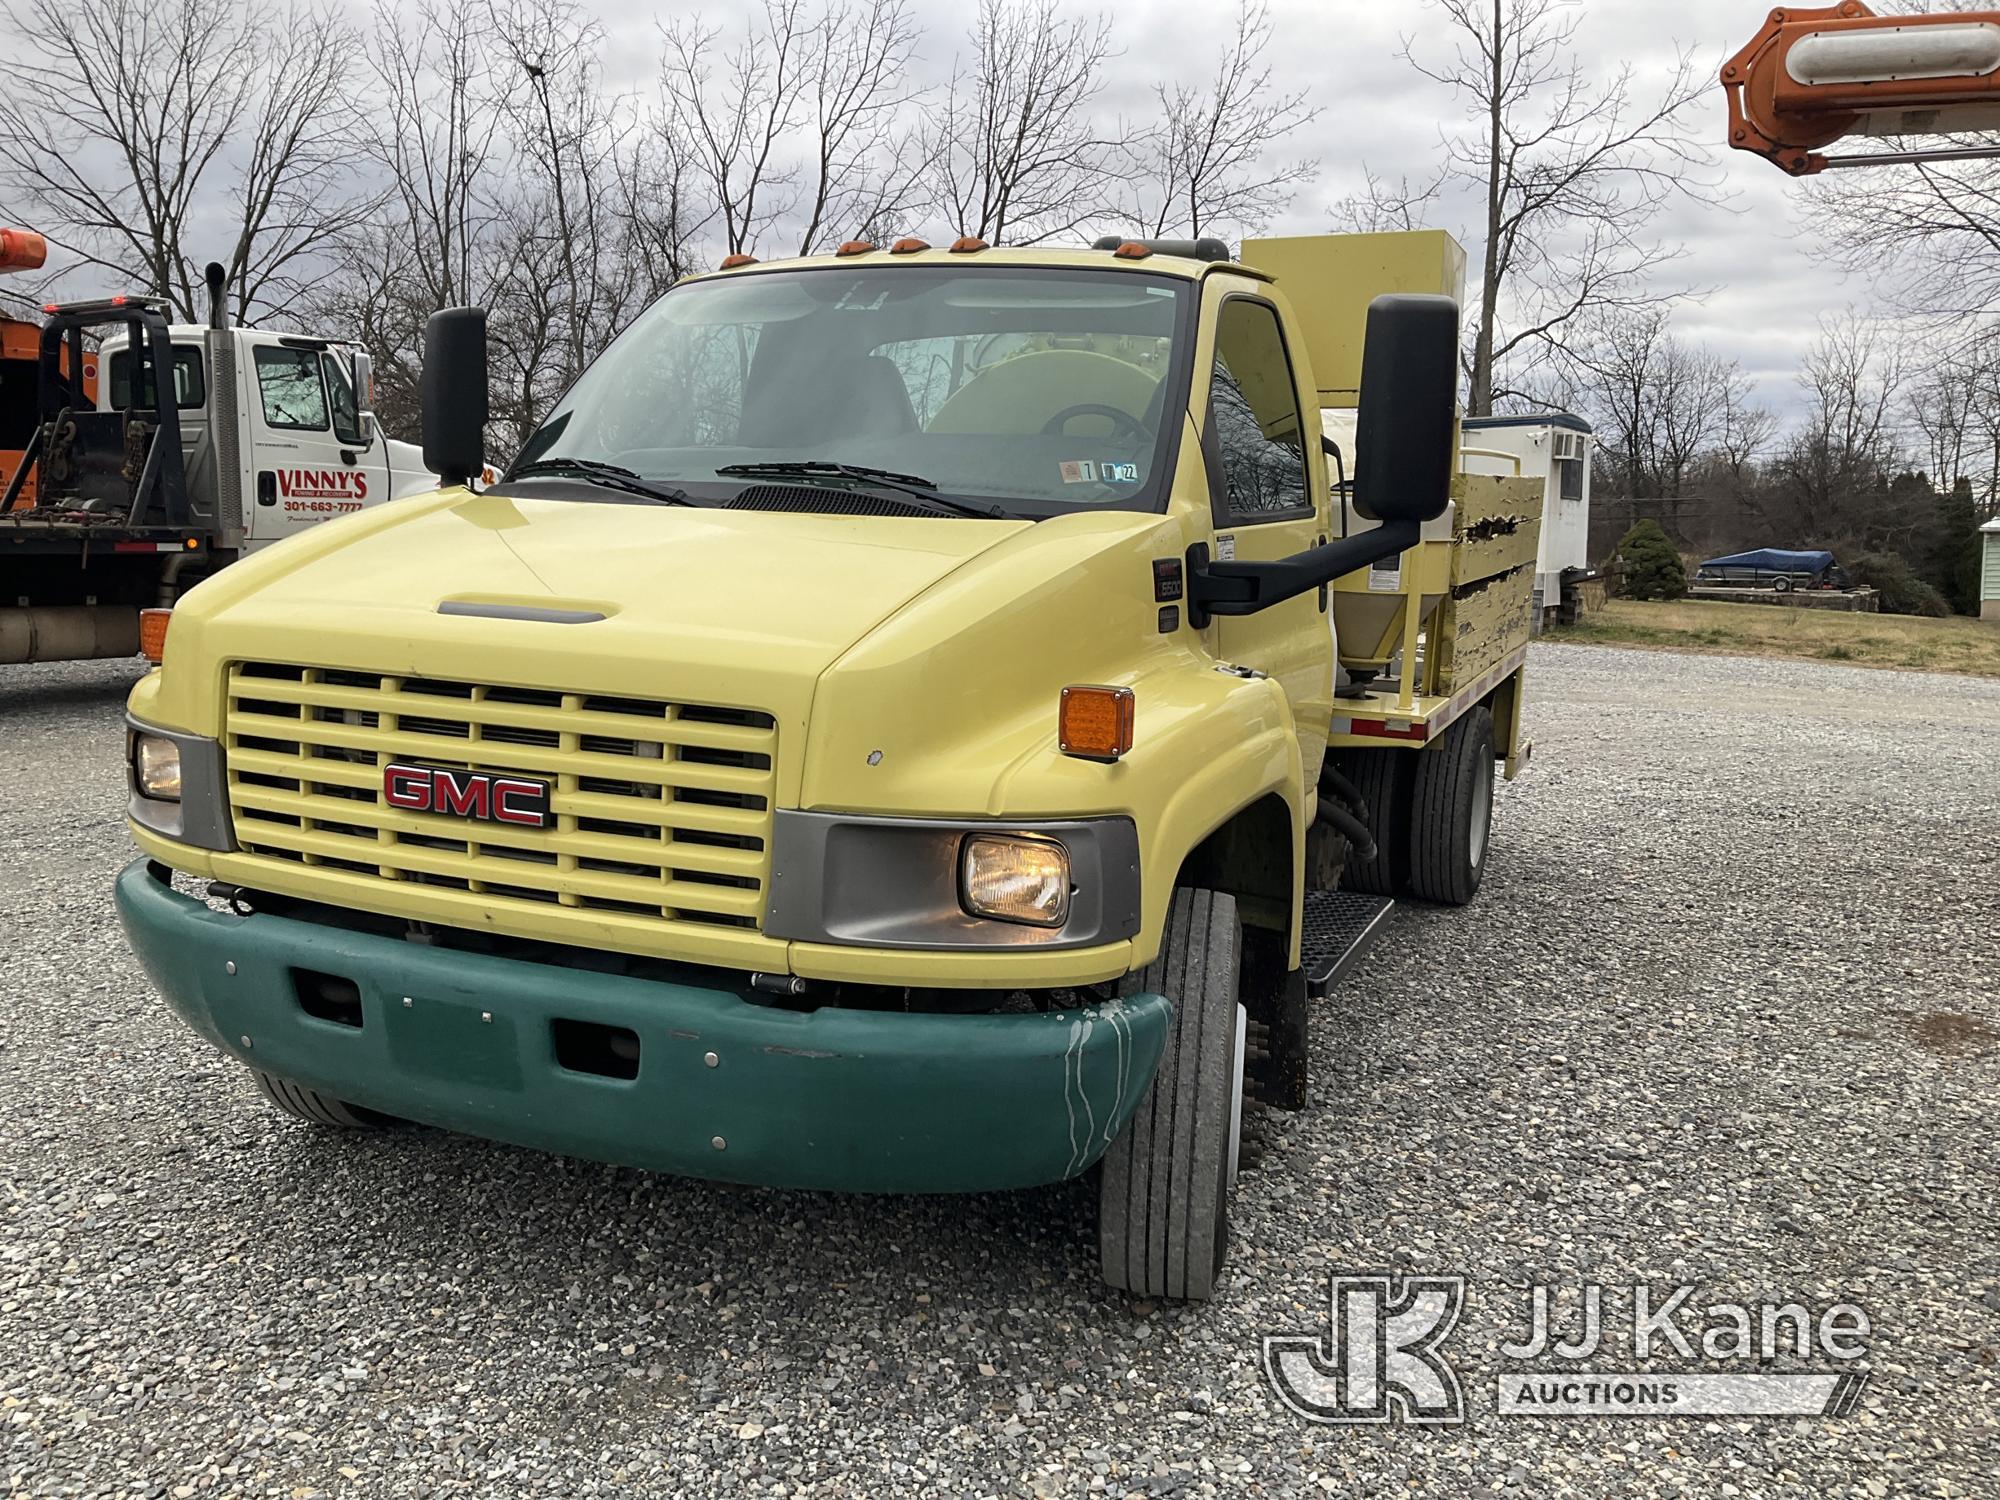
x=1568 y=445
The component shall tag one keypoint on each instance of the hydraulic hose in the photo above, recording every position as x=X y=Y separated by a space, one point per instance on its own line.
x=1356 y=831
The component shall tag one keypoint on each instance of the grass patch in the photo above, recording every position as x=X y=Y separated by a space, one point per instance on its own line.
x=1908 y=642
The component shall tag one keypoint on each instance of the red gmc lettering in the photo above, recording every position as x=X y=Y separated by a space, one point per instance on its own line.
x=522 y=802
x=519 y=800
x=407 y=787
x=461 y=801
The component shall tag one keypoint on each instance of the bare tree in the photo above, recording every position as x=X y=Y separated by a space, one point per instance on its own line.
x=568 y=289
x=737 y=106
x=297 y=194
x=1747 y=430
x=438 y=143
x=1943 y=405
x=662 y=209
x=1208 y=163
x=1570 y=173
x=127 y=130
x=1933 y=227
x=1018 y=154
x=1662 y=406
x=435 y=239
x=1383 y=207
x=1831 y=479
x=863 y=166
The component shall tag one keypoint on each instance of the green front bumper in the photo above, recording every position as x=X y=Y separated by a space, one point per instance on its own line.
x=856 y=1101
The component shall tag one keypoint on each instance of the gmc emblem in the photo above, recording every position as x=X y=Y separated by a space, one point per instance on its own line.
x=490 y=796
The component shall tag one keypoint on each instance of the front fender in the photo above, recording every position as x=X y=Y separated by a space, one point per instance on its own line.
x=1224 y=779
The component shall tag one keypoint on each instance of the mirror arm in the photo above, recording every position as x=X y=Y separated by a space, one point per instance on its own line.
x=1244 y=588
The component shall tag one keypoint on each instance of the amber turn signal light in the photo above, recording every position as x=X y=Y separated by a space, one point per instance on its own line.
x=1133 y=250
x=153 y=634
x=1095 y=723
x=856 y=247
x=966 y=244
x=731 y=262
x=909 y=245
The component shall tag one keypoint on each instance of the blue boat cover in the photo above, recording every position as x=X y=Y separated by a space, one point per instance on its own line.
x=1775 y=560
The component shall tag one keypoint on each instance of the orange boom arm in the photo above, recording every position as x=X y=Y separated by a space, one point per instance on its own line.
x=22 y=250
x=1811 y=77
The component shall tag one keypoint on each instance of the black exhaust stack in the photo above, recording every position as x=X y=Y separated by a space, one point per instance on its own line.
x=218 y=301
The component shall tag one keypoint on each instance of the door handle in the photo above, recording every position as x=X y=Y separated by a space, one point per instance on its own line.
x=267 y=487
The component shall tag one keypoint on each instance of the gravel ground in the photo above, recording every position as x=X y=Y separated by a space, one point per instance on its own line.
x=1723 y=1015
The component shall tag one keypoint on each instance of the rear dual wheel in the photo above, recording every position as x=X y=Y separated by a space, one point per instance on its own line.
x=1431 y=814
x=1451 y=811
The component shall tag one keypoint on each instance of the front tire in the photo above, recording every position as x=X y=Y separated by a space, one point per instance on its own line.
x=1451 y=811
x=1163 y=1197
x=315 y=1108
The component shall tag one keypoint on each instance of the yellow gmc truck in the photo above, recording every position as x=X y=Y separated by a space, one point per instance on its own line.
x=897 y=727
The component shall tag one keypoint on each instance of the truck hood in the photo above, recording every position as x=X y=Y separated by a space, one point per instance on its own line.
x=737 y=609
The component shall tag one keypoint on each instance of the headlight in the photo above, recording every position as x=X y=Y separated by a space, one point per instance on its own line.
x=1016 y=880
x=156 y=767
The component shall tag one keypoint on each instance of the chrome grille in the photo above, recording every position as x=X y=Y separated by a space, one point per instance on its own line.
x=660 y=809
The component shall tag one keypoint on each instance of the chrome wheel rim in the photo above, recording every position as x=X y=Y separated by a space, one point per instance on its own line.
x=1482 y=811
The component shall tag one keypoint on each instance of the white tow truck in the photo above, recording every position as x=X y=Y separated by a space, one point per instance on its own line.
x=193 y=445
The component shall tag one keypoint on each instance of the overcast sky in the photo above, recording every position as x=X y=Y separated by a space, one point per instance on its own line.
x=1764 y=289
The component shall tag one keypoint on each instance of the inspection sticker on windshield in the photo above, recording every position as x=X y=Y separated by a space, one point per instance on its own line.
x=1117 y=473
x=1079 y=471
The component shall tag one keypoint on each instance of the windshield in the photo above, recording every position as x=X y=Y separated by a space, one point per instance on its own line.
x=1036 y=390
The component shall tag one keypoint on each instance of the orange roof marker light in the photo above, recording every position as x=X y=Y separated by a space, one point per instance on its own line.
x=1095 y=723
x=909 y=246
x=731 y=262
x=153 y=633
x=1133 y=250
x=856 y=247
x=965 y=244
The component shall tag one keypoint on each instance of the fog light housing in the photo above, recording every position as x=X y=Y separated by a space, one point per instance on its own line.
x=1015 y=880
x=156 y=767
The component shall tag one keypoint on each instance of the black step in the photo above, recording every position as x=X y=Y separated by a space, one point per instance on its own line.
x=1341 y=926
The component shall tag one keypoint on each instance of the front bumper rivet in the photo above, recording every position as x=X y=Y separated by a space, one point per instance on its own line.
x=711 y=1059
x=720 y=1144
x=230 y=967
x=486 y=1016
x=245 y=1041
x=408 y=1002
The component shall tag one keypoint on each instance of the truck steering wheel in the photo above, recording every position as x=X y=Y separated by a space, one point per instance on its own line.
x=1119 y=420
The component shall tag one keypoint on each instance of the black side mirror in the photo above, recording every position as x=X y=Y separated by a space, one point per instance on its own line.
x=454 y=392
x=1409 y=406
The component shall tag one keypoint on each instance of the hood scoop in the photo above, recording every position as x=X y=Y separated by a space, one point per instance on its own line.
x=823 y=501
x=540 y=613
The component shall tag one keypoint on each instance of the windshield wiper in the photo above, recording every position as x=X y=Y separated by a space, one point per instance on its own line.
x=609 y=476
x=913 y=485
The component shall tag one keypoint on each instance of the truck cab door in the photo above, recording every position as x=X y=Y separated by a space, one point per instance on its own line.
x=311 y=456
x=1267 y=491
